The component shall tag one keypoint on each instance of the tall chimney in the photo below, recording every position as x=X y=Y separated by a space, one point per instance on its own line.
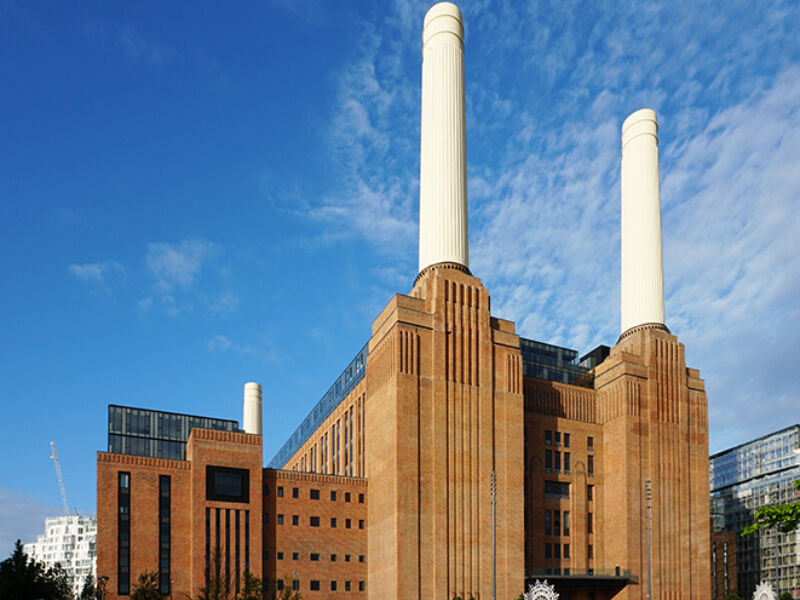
x=642 y=265
x=252 y=408
x=443 y=152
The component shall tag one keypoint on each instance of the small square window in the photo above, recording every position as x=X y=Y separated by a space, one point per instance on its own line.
x=347 y=496
x=295 y=492
x=280 y=519
x=333 y=522
x=314 y=556
x=346 y=586
x=333 y=496
x=279 y=584
x=314 y=494
x=361 y=523
x=333 y=585
x=313 y=521
x=265 y=555
x=280 y=491
x=361 y=498
x=280 y=555
x=295 y=556
x=347 y=523
x=361 y=558
x=346 y=558
x=333 y=558
x=313 y=585
x=295 y=520
x=362 y=585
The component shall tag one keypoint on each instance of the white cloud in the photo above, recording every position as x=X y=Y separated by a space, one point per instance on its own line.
x=265 y=351
x=97 y=275
x=178 y=265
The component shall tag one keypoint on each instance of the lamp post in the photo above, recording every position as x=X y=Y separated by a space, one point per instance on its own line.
x=101 y=581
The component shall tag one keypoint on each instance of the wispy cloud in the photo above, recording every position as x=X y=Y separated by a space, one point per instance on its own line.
x=265 y=351
x=98 y=275
x=22 y=518
x=138 y=47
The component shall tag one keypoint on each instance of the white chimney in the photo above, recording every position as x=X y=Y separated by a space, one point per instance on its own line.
x=443 y=152
x=252 y=408
x=642 y=265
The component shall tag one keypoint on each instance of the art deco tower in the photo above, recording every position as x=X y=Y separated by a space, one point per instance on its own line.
x=444 y=383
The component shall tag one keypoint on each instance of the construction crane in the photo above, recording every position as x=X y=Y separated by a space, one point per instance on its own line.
x=54 y=458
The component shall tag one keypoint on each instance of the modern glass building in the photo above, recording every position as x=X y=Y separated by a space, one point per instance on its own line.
x=745 y=478
x=156 y=433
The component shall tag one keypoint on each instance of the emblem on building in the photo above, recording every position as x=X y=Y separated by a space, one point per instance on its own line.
x=764 y=591
x=542 y=591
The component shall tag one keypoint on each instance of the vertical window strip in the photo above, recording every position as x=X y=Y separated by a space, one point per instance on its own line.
x=238 y=543
x=208 y=544
x=164 y=533
x=227 y=550
x=247 y=540
x=124 y=533
x=217 y=550
x=350 y=467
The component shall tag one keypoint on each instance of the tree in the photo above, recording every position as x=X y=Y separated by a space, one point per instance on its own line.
x=287 y=592
x=786 y=596
x=23 y=577
x=783 y=517
x=89 y=589
x=733 y=597
x=147 y=588
x=252 y=588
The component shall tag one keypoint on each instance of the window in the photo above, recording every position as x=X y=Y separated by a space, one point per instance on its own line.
x=279 y=584
x=590 y=492
x=123 y=533
x=333 y=496
x=164 y=534
x=361 y=558
x=590 y=524
x=280 y=491
x=566 y=440
x=333 y=558
x=566 y=523
x=347 y=523
x=347 y=496
x=265 y=555
x=566 y=462
x=556 y=489
x=548 y=526
x=346 y=586
x=548 y=461
x=361 y=523
x=265 y=489
x=266 y=517
x=280 y=519
x=333 y=522
x=314 y=556
x=361 y=498
x=548 y=438
x=362 y=585
x=346 y=558
x=590 y=551
x=590 y=465
x=556 y=550
x=558 y=462
x=295 y=520
x=295 y=556
x=590 y=443
x=558 y=438
x=313 y=585
x=313 y=521
x=548 y=552
x=227 y=485
x=333 y=585
x=280 y=555
x=296 y=584
x=314 y=494
x=566 y=550
x=556 y=522
x=295 y=492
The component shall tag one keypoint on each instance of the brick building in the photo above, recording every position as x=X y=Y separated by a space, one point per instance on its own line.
x=490 y=460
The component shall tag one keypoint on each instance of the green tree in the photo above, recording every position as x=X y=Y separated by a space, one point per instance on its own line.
x=147 y=588
x=733 y=597
x=288 y=592
x=784 y=517
x=89 y=589
x=786 y=596
x=22 y=577
x=252 y=588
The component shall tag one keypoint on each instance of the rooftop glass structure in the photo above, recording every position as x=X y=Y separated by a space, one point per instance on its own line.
x=554 y=363
x=350 y=377
x=155 y=433
x=745 y=478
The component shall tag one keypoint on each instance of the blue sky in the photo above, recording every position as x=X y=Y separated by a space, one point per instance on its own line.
x=196 y=196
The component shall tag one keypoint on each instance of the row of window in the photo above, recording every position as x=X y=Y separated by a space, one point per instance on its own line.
x=315 y=521
x=315 y=585
x=314 y=556
x=553 y=522
x=554 y=438
x=562 y=551
x=313 y=494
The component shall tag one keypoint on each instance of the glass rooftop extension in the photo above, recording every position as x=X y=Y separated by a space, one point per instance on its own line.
x=555 y=363
x=350 y=377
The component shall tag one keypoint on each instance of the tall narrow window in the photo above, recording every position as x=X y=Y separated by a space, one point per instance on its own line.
x=548 y=461
x=556 y=522
x=247 y=540
x=558 y=438
x=590 y=492
x=548 y=525
x=164 y=541
x=589 y=523
x=217 y=549
x=208 y=545
x=566 y=523
x=566 y=462
x=548 y=437
x=227 y=549
x=238 y=544
x=558 y=461
x=590 y=443
x=590 y=465
x=124 y=534
x=566 y=440
x=350 y=461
